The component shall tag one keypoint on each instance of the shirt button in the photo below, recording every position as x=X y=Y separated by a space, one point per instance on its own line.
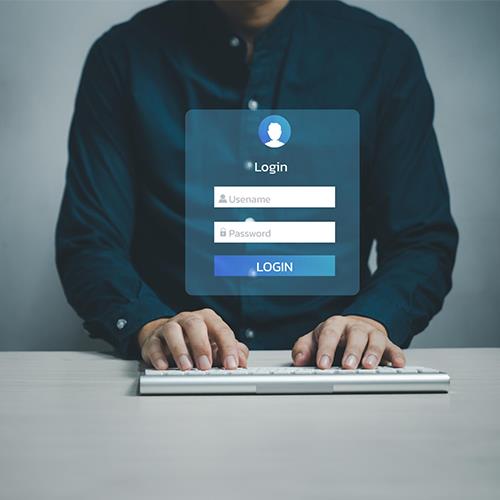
x=234 y=41
x=120 y=324
x=249 y=333
x=253 y=105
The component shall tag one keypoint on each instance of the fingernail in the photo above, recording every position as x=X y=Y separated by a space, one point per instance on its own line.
x=324 y=361
x=350 y=361
x=371 y=360
x=231 y=363
x=299 y=356
x=161 y=365
x=203 y=362
x=185 y=362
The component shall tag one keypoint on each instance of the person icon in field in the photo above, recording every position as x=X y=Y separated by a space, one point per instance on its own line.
x=222 y=198
x=274 y=132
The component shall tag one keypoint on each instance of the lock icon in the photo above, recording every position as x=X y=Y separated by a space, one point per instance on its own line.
x=223 y=231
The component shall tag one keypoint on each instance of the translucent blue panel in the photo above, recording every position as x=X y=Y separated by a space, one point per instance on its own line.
x=233 y=157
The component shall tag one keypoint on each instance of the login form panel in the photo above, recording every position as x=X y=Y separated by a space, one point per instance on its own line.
x=272 y=202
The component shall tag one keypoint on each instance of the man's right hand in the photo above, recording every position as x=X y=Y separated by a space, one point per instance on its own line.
x=197 y=338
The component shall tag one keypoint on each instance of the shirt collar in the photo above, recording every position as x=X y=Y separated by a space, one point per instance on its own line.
x=217 y=32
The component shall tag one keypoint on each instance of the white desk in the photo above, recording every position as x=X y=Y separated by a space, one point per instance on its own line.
x=72 y=427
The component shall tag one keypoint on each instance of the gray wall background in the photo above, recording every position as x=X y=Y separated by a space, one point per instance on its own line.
x=42 y=48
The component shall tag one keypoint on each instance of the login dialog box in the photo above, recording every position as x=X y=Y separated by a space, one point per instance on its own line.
x=272 y=202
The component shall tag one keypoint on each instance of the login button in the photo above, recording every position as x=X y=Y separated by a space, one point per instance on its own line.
x=274 y=265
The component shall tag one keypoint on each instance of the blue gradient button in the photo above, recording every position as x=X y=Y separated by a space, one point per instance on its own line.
x=274 y=265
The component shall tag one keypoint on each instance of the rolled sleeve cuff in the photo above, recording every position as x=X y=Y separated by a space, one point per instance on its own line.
x=390 y=313
x=122 y=323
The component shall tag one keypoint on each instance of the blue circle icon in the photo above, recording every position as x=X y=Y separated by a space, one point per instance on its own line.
x=274 y=131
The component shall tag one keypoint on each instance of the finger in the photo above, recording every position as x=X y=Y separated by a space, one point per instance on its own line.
x=395 y=355
x=303 y=350
x=220 y=332
x=243 y=353
x=242 y=359
x=195 y=330
x=356 y=340
x=152 y=352
x=174 y=338
x=328 y=335
x=216 y=361
x=244 y=348
x=377 y=342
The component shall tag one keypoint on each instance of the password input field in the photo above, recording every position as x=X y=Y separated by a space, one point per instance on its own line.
x=274 y=196
x=274 y=232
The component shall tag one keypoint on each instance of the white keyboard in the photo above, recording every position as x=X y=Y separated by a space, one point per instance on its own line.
x=293 y=380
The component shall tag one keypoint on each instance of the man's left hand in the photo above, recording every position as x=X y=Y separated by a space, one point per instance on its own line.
x=364 y=343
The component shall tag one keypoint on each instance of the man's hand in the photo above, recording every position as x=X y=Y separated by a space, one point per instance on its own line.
x=197 y=338
x=364 y=342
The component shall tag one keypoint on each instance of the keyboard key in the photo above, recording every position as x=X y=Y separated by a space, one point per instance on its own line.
x=422 y=369
x=386 y=369
x=147 y=371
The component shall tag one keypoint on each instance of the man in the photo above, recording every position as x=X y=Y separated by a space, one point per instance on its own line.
x=120 y=234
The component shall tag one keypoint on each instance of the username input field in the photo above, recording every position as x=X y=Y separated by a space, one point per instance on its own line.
x=274 y=196
x=274 y=232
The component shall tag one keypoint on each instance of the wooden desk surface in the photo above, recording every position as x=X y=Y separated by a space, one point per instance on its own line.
x=73 y=427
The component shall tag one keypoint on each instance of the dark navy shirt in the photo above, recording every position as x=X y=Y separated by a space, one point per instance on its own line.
x=120 y=235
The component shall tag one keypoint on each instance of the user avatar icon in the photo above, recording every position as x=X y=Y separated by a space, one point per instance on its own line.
x=274 y=131
x=222 y=198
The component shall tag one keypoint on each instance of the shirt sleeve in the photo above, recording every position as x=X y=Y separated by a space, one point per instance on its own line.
x=416 y=237
x=96 y=220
